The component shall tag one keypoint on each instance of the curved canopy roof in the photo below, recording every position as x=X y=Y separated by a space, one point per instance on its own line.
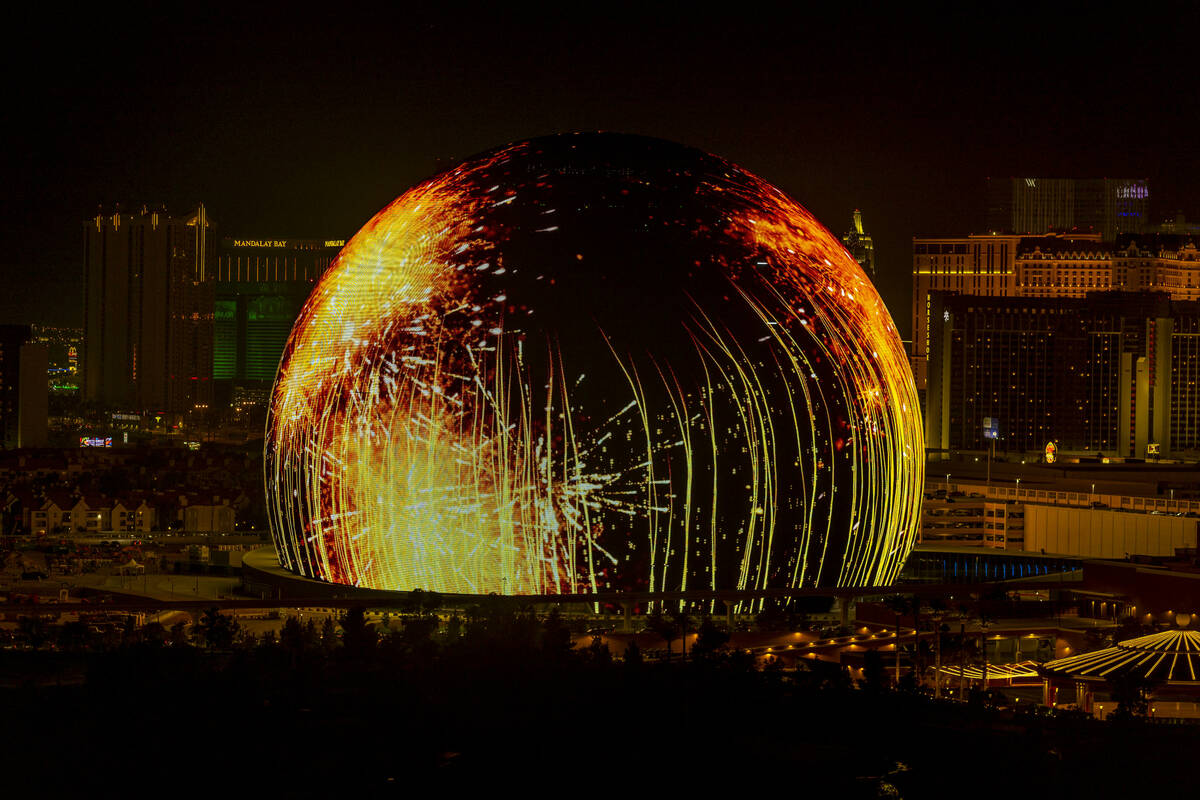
x=1172 y=656
x=995 y=672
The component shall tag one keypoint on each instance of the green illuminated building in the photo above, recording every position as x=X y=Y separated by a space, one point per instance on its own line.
x=260 y=287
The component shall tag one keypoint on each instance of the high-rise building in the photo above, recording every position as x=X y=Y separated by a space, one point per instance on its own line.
x=259 y=287
x=23 y=388
x=63 y=346
x=148 y=321
x=976 y=265
x=1048 y=266
x=1114 y=373
x=1107 y=206
x=860 y=245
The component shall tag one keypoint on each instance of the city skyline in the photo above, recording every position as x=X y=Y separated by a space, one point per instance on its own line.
x=470 y=385
x=309 y=131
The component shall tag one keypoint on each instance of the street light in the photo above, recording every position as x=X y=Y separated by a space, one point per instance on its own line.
x=947 y=484
x=983 y=626
x=937 y=650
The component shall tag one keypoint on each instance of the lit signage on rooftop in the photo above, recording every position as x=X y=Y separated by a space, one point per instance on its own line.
x=286 y=243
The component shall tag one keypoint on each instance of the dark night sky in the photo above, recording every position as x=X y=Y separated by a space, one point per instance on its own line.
x=292 y=125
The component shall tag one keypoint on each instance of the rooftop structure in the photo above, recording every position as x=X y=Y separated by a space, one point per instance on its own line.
x=860 y=245
x=259 y=286
x=1064 y=519
x=1053 y=265
x=1171 y=656
x=148 y=310
x=1106 y=206
x=23 y=388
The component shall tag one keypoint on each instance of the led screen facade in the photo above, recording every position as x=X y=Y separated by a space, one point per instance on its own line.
x=587 y=363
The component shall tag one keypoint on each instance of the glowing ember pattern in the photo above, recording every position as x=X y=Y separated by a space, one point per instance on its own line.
x=594 y=362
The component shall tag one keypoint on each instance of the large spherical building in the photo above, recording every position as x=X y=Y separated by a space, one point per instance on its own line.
x=594 y=362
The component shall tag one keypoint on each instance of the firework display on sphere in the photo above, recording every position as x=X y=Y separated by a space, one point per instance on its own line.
x=589 y=363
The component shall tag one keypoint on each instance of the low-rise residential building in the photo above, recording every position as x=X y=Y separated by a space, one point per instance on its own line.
x=60 y=512
x=134 y=515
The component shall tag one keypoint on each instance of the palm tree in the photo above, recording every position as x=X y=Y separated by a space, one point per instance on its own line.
x=985 y=620
x=556 y=635
x=681 y=620
x=900 y=605
x=967 y=610
x=632 y=656
x=432 y=601
x=664 y=627
x=413 y=602
x=358 y=636
x=1132 y=692
x=983 y=629
x=918 y=663
x=709 y=639
x=216 y=630
x=938 y=610
x=328 y=635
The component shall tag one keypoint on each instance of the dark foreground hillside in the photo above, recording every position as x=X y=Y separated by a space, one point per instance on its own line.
x=507 y=704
